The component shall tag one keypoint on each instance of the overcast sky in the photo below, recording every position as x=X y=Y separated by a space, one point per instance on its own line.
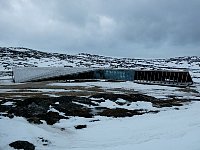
x=124 y=28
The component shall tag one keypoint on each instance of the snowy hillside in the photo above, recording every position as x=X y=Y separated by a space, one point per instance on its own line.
x=24 y=57
x=95 y=115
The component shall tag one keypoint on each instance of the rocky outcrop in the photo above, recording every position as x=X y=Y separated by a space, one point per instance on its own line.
x=22 y=145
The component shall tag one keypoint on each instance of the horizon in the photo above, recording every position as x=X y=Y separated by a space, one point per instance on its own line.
x=120 y=57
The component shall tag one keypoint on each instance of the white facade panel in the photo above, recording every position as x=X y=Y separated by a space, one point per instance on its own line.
x=25 y=74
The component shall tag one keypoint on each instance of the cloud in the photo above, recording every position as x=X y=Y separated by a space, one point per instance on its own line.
x=133 y=28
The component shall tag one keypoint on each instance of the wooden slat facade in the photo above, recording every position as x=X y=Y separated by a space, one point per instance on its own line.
x=165 y=77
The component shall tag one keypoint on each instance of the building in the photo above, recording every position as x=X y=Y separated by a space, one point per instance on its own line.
x=162 y=77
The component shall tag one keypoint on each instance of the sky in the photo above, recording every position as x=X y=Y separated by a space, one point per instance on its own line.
x=123 y=28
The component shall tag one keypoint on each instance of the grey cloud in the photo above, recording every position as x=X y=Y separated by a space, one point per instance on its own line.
x=133 y=28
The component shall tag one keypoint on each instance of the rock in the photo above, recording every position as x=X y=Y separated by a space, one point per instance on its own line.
x=80 y=126
x=52 y=117
x=44 y=141
x=120 y=112
x=22 y=145
x=168 y=103
x=62 y=129
x=94 y=120
x=35 y=120
x=127 y=97
x=36 y=108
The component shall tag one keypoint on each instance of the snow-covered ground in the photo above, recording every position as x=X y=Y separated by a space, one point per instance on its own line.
x=172 y=129
x=169 y=129
x=158 y=91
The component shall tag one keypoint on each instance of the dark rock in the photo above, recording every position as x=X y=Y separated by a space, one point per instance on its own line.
x=51 y=117
x=10 y=116
x=168 y=103
x=44 y=141
x=127 y=97
x=94 y=120
x=80 y=126
x=140 y=97
x=120 y=112
x=111 y=96
x=22 y=145
x=86 y=101
x=101 y=108
x=34 y=120
x=62 y=129
x=153 y=111
x=36 y=109
x=7 y=115
x=71 y=109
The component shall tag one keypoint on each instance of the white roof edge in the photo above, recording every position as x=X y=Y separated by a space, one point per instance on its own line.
x=25 y=74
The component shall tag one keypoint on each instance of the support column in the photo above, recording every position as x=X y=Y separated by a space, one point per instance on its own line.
x=186 y=79
x=150 y=75
x=173 y=76
x=178 y=77
x=182 y=77
x=170 y=73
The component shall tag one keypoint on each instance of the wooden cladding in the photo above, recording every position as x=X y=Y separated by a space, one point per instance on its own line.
x=163 y=77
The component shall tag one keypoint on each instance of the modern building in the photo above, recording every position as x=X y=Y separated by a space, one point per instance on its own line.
x=162 y=77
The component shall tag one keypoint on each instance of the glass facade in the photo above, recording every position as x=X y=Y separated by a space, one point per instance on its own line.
x=126 y=75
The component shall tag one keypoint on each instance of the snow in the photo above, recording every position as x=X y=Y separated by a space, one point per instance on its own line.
x=130 y=106
x=172 y=129
x=158 y=91
x=51 y=95
x=33 y=91
x=7 y=103
x=169 y=129
x=121 y=101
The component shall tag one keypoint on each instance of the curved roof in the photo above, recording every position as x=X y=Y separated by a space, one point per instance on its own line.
x=25 y=74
